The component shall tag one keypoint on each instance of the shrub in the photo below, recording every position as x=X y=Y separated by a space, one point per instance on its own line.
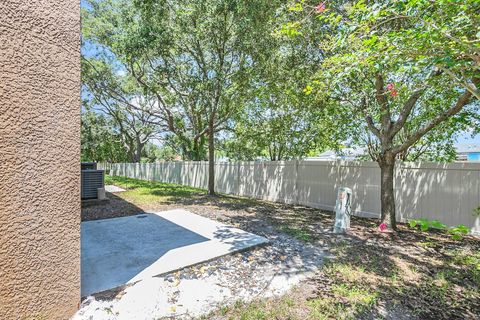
x=425 y=224
x=457 y=232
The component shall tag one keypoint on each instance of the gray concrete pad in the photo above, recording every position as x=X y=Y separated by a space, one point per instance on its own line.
x=113 y=189
x=135 y=248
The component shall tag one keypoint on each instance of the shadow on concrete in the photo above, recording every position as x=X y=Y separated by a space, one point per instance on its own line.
x=114 y=251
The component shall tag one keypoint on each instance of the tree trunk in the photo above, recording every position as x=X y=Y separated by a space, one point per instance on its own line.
x=387 y=195
x=211 y=161
x=138 y=151
x=195 y=151
x=131 y=156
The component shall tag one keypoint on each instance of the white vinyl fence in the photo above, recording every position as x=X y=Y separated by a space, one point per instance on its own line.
x=436 y=191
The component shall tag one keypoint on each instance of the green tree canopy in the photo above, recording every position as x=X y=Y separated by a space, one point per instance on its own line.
x=399 y=73
x=194 y=57
x=100 y=142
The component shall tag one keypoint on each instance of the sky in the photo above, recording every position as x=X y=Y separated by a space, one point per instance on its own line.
x=467 y=139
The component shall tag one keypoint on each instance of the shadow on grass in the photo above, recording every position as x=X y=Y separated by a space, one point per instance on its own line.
x=428 y=284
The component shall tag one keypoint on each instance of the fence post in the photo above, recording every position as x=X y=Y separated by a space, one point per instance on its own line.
x=238 y=178
x=296 y=193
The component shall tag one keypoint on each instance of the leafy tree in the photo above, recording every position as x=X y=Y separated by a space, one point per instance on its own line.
x=437 y=145
x=100 y=142
x=154 y=153
x=194 y=57
x=401 y=69
x=278 y=123
x=118 y=96
x=278 y=130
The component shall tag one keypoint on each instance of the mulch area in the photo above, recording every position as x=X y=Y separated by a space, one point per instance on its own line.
x=113 y=207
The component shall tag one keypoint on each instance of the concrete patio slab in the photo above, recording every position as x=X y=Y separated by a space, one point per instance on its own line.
x=113 y=189
x=135 y=248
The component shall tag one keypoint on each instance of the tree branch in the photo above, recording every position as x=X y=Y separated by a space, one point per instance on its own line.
x=463 y=100
x=380 y=94
x=406 y=111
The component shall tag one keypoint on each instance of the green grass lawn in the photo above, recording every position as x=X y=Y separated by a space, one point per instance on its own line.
x=143 y=192
x=423 y=274
x=151 y=195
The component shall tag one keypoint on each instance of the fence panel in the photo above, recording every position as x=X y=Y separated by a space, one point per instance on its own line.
x=436 y=191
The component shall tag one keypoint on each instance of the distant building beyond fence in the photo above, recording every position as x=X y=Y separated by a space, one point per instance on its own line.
x=436 y=191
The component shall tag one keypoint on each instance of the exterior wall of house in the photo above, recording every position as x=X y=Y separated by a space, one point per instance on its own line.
x=39 y=159
x=474 y=156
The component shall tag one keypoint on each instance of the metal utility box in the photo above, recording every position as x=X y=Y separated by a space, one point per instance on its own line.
x=92 y=180
x=343 y=210
x=89 y=166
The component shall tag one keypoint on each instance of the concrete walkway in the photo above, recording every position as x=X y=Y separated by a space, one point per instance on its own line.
x=137 y=248
x=194 y=291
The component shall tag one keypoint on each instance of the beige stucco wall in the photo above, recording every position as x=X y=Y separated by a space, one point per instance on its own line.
x=39 y=159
